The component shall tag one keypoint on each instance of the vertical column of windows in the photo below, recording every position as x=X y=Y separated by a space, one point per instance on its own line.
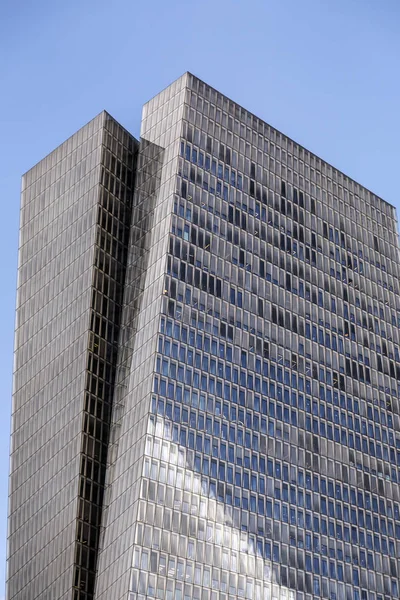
x=114 y=214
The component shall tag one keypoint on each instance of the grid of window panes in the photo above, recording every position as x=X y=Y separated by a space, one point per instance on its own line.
x=151 y=216
x=58 y=220
x=273 y=449
x=113 y=222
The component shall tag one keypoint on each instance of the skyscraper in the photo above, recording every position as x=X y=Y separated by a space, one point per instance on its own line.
x=206 y=371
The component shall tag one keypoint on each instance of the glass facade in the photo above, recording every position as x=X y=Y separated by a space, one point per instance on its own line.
x=254 y=443
x=75 y=217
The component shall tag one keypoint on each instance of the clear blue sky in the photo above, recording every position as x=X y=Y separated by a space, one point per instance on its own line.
x=325 y=72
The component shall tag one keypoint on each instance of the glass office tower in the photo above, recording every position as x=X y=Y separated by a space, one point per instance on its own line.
x=246 y=414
